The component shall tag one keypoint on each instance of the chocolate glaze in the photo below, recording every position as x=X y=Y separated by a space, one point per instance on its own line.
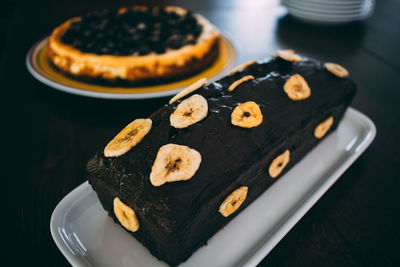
x=134 y=32
x=179 y=217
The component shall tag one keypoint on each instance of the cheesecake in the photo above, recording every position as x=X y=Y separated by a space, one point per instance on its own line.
x=134 y=44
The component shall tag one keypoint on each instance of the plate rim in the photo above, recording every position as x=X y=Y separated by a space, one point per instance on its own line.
x=331 y=16
x=59 y=209
x=328 y=18
x=268 y=242
x=324 y=21
x=323 y=11
x=264 y=247
x=334 y=2
x=119 y=96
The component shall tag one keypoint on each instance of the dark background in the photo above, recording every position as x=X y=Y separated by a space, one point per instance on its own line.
x=47 y=136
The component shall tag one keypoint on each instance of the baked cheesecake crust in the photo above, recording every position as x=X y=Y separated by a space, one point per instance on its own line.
x=171 y=64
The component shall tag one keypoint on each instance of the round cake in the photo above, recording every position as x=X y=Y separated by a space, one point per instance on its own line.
x=134 y=44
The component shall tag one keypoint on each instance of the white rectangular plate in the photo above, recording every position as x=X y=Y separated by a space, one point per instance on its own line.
x=87 y=236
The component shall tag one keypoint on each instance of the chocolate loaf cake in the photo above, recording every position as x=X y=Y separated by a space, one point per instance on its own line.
x=175 y=179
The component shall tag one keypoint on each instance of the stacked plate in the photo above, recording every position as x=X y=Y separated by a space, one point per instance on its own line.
x=330 y=11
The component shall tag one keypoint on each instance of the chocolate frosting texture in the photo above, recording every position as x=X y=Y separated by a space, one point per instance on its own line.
x=176 y=218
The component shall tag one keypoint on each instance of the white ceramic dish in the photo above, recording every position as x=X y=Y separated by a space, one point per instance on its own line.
x=330 y=10
x=328 y=15
x=87 y=236
x=310 y=17
x=332 y=2
x=321 y=13
x=339 y=5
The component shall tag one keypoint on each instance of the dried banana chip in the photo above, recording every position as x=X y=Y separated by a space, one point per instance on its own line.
x=288 y=55
x=337 y=70
x=297 y=88
x=233 y=201
x=323 y=127
x=278 y=164
x=240 y=81
x=242 y=66
x=189 y=111
x=247 y=115
x=174 y=163
x=193 y=87
x=126 y=215
x=129 y=137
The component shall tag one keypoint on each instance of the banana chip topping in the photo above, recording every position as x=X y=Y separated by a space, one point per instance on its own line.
x=323 y=127
x=297 y=88
x=247 y=115
x=125 y=215
x=239 y=82
x=189 y=111
x=233 y=201
x=278 y=164
x=337 y=70
x=174 y=163
x=242 y=66
x=129 y=137
x=288 y=55
x=191 y=88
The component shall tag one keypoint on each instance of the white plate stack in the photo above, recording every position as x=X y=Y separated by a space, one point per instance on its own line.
x=329 y=11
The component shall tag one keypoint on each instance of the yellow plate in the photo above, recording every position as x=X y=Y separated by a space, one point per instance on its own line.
x=41 y=68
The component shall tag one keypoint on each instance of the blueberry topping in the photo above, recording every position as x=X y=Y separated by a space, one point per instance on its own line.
x=134 y=32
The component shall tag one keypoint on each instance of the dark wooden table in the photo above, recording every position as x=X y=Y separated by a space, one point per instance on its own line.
x=47 y=135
